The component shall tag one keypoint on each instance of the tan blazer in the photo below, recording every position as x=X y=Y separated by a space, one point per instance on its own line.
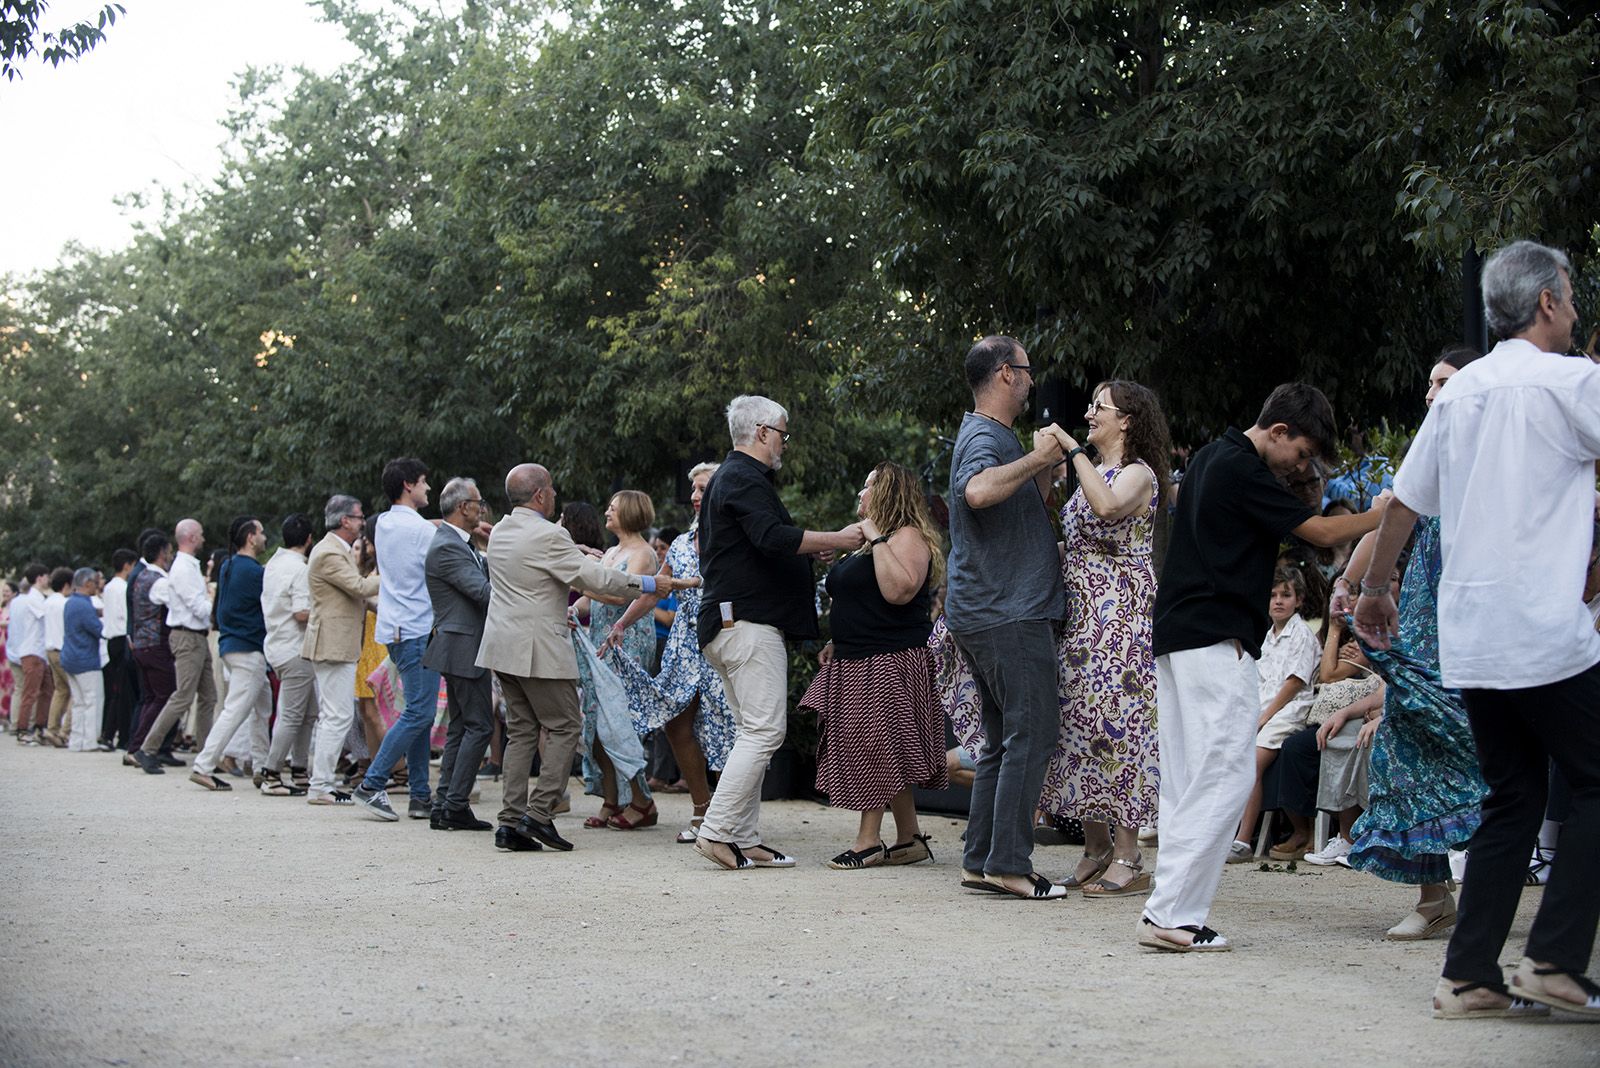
x=532 y=564
x=338 y=602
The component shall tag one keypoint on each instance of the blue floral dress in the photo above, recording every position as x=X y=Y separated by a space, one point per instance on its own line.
x=611 y=721
x=1426 y=788
x=685 y=673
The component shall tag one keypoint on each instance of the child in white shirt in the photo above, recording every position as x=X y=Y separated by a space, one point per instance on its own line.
x=1287 y=668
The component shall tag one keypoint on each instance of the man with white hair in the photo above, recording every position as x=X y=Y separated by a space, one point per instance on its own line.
x=80 y=659
x=759 y=591
x=182 y=591
x=1506 y=459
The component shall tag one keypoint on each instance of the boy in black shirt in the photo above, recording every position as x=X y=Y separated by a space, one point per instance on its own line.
x=1210 y=614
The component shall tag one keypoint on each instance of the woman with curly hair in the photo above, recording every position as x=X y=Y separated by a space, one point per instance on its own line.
x=1105 y=770
x=881 y=733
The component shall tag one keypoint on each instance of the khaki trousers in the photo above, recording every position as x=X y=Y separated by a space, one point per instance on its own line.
x=60 y=697
x=532 y=704
x=31 y=710
x=754 y=666
x=191 y=659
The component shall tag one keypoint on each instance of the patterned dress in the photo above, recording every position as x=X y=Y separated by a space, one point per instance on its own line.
x=611 y=721
x=7 y=680
x=684 y=674
x=1106 y=767
x=1426 y=787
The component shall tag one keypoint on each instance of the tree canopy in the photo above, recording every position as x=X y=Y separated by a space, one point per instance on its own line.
x=573 y=233
x=20 y=36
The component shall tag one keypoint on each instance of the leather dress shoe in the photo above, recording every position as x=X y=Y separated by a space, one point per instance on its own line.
x=508 y=839
x=543 y=832
x=150 y=764
x=436 y=820
x=462 y=819
x=168 y=760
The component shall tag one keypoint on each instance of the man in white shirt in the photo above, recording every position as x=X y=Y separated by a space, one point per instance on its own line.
x=1506 y=459
x=122 y=690
x=188 y=603
x=405 y=619
x=286 y=604
x=31 y=709
x=55 y=605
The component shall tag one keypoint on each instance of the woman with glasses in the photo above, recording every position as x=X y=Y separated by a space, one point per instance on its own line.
x=1105 y=770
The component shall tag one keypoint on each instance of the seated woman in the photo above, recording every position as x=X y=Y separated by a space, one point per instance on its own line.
x=1346 y=744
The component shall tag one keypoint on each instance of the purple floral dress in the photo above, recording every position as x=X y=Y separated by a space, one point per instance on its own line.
x=1105 y=767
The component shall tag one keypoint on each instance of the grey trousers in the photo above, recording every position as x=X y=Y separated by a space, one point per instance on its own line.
x=297 y=713
x=471 y=709
x=191 y=658
x=532 y=705
x=1015 y=667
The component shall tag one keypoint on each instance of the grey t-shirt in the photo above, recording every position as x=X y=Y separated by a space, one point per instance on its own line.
x=1004 y=566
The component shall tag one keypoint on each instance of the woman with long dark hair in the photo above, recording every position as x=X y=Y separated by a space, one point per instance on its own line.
x=1106 y=770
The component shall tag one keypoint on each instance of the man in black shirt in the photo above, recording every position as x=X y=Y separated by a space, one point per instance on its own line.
x=1210 y=618
x=758 y=591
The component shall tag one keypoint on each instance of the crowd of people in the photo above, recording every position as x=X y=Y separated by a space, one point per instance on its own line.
x=1422 y=663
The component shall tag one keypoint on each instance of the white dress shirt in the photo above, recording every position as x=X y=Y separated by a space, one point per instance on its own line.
x=1506 y=458
x=285 y=590
x=55 y=623
x=26 y=637
x=404 y=608
x=183 y=592
x=114 y=617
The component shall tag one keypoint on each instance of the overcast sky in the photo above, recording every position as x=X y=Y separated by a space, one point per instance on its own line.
x=140 y=111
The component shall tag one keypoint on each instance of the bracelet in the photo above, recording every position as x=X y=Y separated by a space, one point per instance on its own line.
x=1374 y=591
x=879 y=540
x=1075 y=450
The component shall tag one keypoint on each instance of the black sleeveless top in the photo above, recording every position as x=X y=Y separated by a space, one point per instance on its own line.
x=863 y=623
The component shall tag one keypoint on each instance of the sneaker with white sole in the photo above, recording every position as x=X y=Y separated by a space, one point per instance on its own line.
x=376 y=802
x=1336 y=850
x=1240 y=853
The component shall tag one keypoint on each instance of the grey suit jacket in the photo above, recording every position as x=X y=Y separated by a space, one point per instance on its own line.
x=458 y=585
x=532 y=564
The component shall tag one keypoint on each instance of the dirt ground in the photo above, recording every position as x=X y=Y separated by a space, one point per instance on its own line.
x=147 y=922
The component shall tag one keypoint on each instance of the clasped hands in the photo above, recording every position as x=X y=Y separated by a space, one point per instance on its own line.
x=1053 y=441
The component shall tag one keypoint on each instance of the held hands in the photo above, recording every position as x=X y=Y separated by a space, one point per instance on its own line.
x=851 y=537
x=1046 y=442
x=1377 y=619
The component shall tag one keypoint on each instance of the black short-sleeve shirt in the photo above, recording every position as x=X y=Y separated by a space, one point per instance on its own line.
x=1232 y=516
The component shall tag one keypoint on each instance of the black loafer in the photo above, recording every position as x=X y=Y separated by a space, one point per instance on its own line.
x=150 y=764
x=543 y=832
x=462 y=819
x=508 y=839
x=168 y=760
x=436 y=820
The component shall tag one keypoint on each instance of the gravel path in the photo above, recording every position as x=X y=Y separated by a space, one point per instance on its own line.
x=147 y=922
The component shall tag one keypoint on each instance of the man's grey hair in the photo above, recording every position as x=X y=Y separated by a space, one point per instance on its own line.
x=83 y=576
x=456 y=492
x=1512 y=281
x=338 y=506
x=749 y=413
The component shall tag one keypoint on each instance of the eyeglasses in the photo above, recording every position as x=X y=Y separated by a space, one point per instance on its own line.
x=1019 y=367
x=475 y=500
x=784 y=434
x=1096 y=407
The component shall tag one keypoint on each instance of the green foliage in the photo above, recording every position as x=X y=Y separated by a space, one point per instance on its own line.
x=20 y=36
x=570 y=233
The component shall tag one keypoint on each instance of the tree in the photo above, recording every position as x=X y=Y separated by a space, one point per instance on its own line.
x=20 y=36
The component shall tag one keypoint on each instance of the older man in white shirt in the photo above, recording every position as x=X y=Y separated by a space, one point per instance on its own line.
x=188 y=603
x=286 y=604
x=405 y=620
x=122 y=689
x=1506 y=459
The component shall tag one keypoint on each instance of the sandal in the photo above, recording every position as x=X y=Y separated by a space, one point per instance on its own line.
x=272 y=785
x=1448 y=1003
x=1043 y=889
x=974 y=880
x=1205 y=939
x=648 y=817
x=1539 y=867
x=1138 y=884
x=1527 y=983
x=210 y=782
x=1101 y=863
x=773 y=859
x=596 y=822
x=911 y=852
x=704 y=846
x=856 y=859
x=689 y=834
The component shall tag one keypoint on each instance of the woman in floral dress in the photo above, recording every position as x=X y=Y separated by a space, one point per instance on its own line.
x=685 y=698
x=1105 y=770
x=7 y=680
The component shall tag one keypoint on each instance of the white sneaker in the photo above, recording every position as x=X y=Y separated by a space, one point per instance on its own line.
x=1336 y=850
x=1240 y=853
